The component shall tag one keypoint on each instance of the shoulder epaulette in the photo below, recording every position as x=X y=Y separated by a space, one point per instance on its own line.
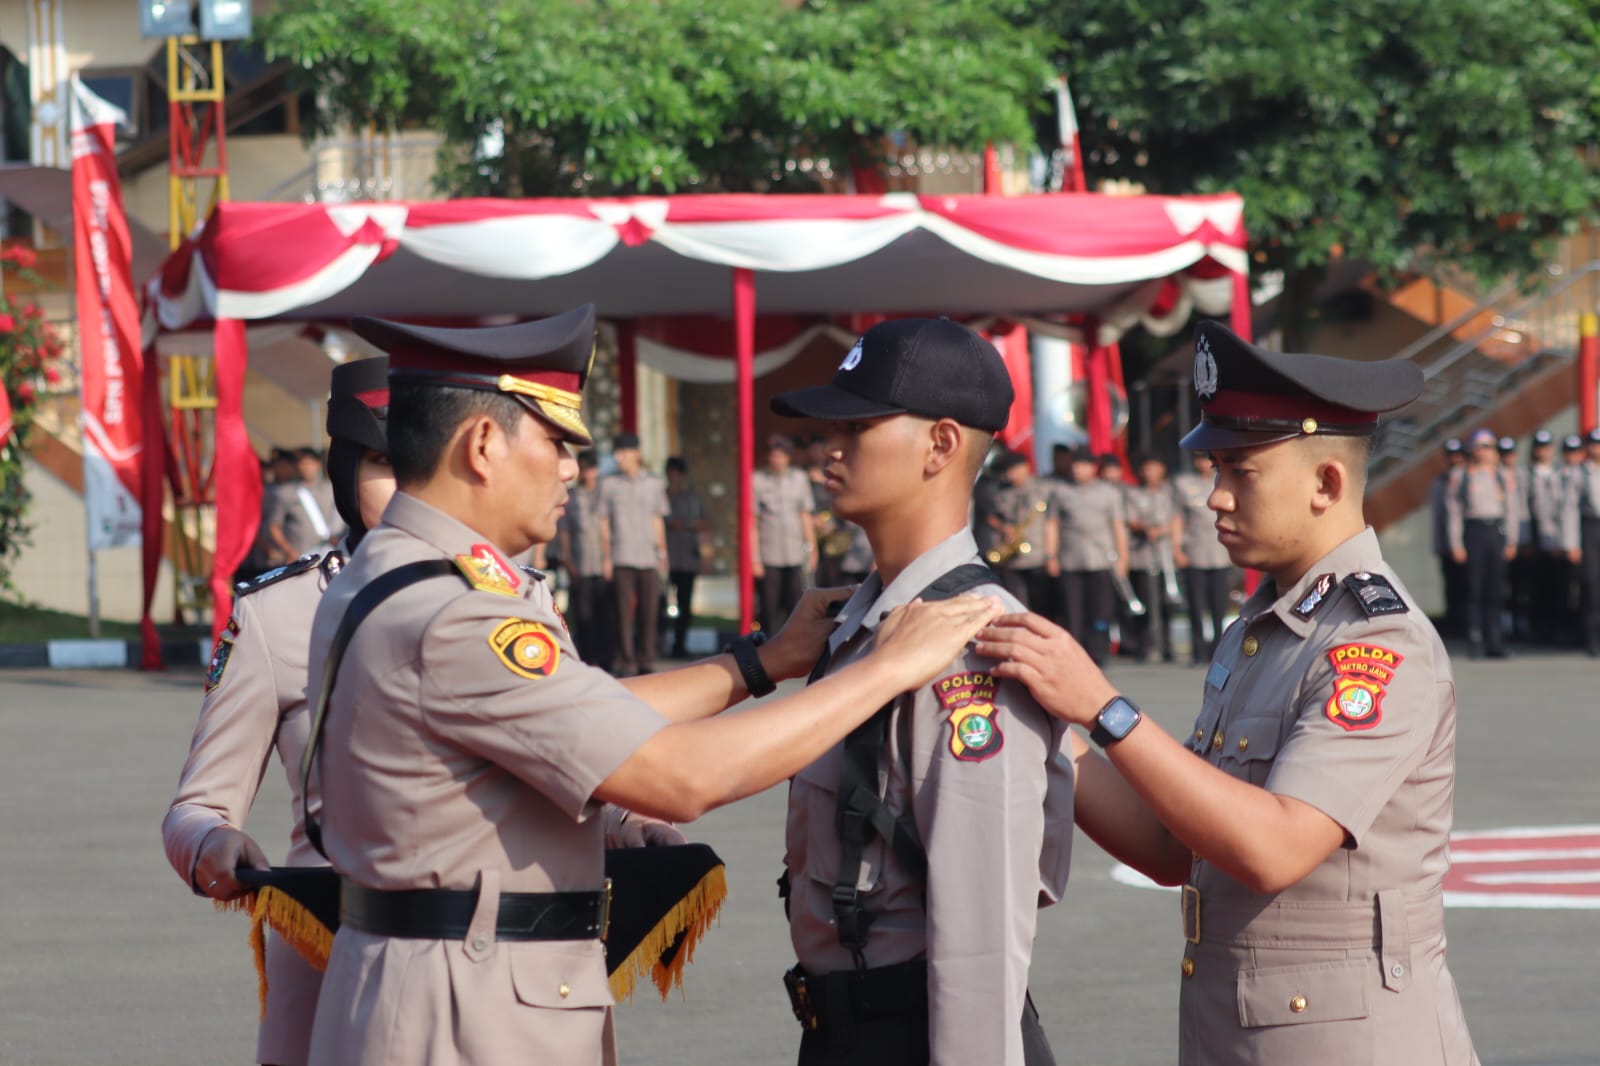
x=533 y=572
x=1375 y=594
x=306 y=562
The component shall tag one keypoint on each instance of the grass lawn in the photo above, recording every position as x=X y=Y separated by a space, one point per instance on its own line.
x=33 y=625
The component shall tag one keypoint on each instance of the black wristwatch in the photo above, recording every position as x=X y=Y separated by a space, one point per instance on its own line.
x=743 y=650
x=1115 y=721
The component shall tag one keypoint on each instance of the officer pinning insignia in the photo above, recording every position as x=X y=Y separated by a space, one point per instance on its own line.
x=526 y=648
x=487 y=570
x=306 y=562
x=1375 y=594
x=968 y=700
x=1315 y=597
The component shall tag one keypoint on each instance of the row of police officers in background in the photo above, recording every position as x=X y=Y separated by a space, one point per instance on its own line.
x=1518 y=541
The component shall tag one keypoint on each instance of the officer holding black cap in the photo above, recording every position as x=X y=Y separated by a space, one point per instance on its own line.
x=1307 y=816
x=919 y=849
x=466 y=748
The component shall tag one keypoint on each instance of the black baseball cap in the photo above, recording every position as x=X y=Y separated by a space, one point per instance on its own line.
x=1508 y=445
x=1593 y=436
x=1452 y=446
x=931 y=367
x=1572 y=443
x=1542 y=438
x=624 y=442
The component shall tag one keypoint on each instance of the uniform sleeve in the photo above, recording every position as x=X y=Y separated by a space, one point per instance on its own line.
x=661 y=506
x=1454 y=513
x=979 y=803
x=231 y=744
x=1367 y=713
x=503 y=682
x=1569 y=524
x=808 y=502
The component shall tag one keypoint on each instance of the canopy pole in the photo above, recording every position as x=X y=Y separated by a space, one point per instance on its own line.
x=152 y=472
x=628 y=374
x=744 y=328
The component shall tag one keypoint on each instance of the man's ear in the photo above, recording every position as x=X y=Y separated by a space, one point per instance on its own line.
x=945 y=438
x=1333 y=484
x=481 y=442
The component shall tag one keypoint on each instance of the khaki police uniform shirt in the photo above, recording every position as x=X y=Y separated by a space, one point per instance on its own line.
x=1149 y=508
x=1550 y=524
x=292 y=514
x=255 y=702
x=782 y=504
x=581 y=525
x=1027 y=508
x=1088 y=515
x=631 y=506
x=992 y=802
x=1586 y=489
x=1481 y=494
x=1190 y=491
x=685 y=512
x=464 y=741
x=1336 y=692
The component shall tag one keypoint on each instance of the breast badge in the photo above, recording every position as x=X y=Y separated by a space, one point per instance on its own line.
x=968 y=700
x=526 y=648
x=487 y=570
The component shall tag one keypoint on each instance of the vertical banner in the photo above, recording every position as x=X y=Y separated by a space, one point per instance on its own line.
x=110 y=361
x=1012 y=342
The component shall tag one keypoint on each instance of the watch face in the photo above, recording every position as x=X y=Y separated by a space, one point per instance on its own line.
x=1118 y=718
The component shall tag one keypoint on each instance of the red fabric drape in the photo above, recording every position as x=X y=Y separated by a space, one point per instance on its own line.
x=236 y=472
x=628 y=374
x=1012 y=342
x=152 y=478
x=1097 y=373
x=744 y=329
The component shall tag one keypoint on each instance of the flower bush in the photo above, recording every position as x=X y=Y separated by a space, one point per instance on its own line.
x=29 y=354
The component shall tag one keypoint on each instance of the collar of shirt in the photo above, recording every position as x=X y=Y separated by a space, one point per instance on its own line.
x=872 y=601
x=431 y=525
x=1355 y=555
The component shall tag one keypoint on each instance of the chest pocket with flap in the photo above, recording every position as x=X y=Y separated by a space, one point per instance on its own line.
x=1248 y=747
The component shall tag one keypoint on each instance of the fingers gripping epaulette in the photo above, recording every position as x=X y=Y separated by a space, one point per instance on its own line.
x=308 y=561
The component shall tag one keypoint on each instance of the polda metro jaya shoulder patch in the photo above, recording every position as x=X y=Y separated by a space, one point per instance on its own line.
x=486 y=569
x=968 y=700
x=1361 y=675
x=526 y=648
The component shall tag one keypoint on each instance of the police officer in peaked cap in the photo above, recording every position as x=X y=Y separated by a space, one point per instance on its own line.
x=1306 y=816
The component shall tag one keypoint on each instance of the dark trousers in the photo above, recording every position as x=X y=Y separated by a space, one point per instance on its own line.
x=1455 y=596
x=1207 y=593
x=1485 y=541
x=1088 y=601
x=1032 y=587
x=1150 y=633
x=593 y=609
x=902 y=1040
x=683 y=597
x=779 y=590
x=1551 y=576
x=1590 y=542
x=638 y=588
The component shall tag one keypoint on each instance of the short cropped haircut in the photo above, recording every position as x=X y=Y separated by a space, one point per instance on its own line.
x=1354 y=451
x=424 y=418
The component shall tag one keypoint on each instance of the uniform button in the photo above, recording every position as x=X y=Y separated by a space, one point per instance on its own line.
x=1251 y=645
x=1244 y=743
x=1216 y=741
x=1398 y=969
x=1298 y=1004
x=1199 y=736
x=565 y=990
x=1188 y=967
x=479 y=943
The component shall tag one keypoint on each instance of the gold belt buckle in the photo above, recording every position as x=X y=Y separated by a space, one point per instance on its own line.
x=605 y=910
x=1191 y=914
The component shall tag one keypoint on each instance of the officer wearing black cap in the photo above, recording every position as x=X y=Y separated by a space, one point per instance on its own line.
x=1307 y=815
x=1538 y=573
x=1586 y=498
x=1453 y=574
x=255 y=701
x=466 y=748
x=918 y=850
x=1484 y=511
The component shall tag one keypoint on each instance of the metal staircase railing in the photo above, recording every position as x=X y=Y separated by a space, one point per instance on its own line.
x=1465 y=380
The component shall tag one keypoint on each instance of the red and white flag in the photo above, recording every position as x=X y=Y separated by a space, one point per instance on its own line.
x=108 y=325
x=1072 y=179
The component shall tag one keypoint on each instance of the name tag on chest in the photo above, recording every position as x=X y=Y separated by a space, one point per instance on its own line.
x=1217 y=676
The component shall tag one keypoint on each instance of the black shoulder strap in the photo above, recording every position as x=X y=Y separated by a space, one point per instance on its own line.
x=861 y=810
x=365 y=602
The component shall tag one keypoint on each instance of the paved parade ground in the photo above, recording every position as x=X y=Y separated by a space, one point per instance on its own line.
x=106 y=958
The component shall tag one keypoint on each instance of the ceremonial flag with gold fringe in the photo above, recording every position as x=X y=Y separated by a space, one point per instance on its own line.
x=662 y=902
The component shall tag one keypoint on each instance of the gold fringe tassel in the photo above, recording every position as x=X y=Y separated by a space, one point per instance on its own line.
x=690 y=917
x=293 y=923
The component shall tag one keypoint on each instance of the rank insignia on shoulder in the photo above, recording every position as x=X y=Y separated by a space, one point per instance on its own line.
x=1315 y=596
x=272 y=577
x=486 y=569
x=220 y=654
x=1375 y=594
x=968 y=700
x=526 y=648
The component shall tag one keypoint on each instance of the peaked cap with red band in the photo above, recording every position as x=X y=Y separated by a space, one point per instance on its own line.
x=543 y=364
x=1251 y=396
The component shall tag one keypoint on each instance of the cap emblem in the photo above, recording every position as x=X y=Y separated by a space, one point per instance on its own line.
x=852 y=360
x=1205 y=369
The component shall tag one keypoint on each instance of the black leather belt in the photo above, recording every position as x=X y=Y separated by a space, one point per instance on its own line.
x=858 y=995
x=445 y=914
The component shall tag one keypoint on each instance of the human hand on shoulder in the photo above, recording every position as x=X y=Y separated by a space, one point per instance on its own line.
x=919 y=639
x=630 y=829
x=797 y=646
x=223 y=851
x=1044 y=657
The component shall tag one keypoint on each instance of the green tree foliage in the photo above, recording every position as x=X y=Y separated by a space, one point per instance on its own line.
x=1396 y=131
x=564 y=97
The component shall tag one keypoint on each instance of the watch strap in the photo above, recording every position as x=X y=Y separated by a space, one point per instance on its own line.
x=756 y=679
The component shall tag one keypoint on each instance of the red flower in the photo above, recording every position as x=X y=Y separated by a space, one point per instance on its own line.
x=25 y=393
x=52 y=375
x=25 y=258
x=8 y=323
x=33 y=311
